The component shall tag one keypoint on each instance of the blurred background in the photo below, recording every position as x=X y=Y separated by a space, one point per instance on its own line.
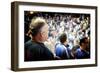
x=76 y=26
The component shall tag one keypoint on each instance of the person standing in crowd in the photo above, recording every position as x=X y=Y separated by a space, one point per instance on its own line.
x=82 y=52
x=62 y=49
x=35 y=50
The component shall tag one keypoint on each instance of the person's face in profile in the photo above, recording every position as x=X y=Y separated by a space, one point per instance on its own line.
x=86 y=44
x=44 y=32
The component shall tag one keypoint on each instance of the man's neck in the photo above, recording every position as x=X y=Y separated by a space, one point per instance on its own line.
x=82 y=48
x=35 y=39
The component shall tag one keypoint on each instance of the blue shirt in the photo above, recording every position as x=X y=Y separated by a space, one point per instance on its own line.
x=63 y=52
x=81 y=54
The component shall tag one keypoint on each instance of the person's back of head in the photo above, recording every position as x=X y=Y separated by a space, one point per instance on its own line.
x=36 y=25
x=39 y=29
x=63 y=38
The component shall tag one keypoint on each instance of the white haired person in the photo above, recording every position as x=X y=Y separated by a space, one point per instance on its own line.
x=35 y=49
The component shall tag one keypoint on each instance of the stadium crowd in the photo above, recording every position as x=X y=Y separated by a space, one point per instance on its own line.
x=70 y=28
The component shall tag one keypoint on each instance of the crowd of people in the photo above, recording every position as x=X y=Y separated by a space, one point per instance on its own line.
x=68 y=35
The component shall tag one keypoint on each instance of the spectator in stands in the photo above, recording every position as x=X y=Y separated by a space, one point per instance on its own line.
x=62 y=49
x=82 y=52
x=35 y=49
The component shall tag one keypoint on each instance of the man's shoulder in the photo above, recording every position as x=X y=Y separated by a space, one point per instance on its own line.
x=78 y=53
x=31 y=44
x=28 y=43
x=59 y=46
x=78 y=50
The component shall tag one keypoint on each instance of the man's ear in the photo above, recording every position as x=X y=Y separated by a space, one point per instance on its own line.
x=41 y=34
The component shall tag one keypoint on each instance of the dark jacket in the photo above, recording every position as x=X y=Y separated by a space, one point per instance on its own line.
x=35 y=51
